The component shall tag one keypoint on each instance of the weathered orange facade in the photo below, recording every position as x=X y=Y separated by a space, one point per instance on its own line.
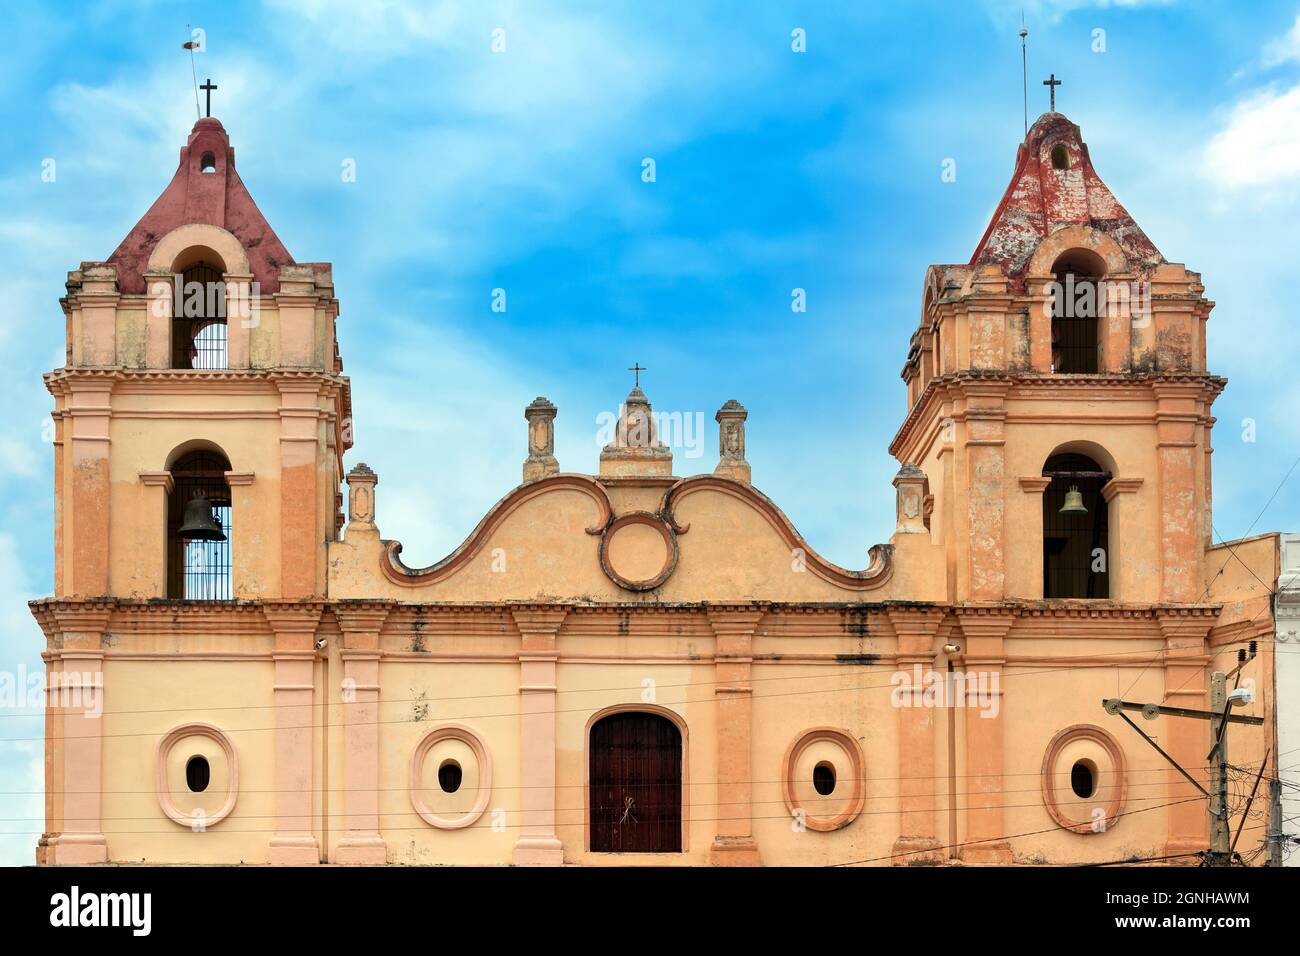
x=598 y=638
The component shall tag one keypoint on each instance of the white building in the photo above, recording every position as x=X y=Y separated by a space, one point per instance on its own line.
x=1288 y=682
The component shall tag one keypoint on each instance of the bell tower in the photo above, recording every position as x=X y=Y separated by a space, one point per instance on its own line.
x=201 y=415
x=1058 y=398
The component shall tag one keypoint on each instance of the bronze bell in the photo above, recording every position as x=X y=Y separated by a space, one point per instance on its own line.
x=1073 y=502
x=200 y=523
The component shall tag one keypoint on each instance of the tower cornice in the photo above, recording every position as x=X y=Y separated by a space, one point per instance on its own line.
x=971 y=382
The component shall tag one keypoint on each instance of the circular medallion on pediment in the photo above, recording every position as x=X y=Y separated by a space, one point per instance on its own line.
x=638 y=551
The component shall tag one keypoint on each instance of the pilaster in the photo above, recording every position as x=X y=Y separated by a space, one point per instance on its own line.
x=915 y=630
x=75 y=703
x=1186 y=654
x=294 y=625
x=984 y=631
x=985 y=417
x=361 y=842
x=734 y=843
x=89 y=411
x=300 y=537
x=1181 y=547
x=538 y=844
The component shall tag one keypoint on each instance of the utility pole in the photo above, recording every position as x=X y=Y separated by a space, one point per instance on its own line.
x=1275 y=837
x=1221 y=852
x=1220 y=832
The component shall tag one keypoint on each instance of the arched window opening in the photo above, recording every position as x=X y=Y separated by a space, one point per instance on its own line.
x=635 y=778
x=199 y=524
x=197 y=774
x=199 y=318
x=1060 y=157
x=208 y=163
x=1076 y=308
x=1076 y=546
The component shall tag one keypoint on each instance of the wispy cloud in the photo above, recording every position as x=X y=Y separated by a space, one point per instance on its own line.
x=1259 y=144
x=1284 y=49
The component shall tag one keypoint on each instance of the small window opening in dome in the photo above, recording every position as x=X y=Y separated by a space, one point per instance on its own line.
x=208 y=164
x=1060 y=157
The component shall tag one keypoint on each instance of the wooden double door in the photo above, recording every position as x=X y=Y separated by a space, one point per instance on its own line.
x=635 y=784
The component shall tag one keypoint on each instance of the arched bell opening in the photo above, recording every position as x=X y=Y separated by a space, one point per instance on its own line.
x=1076 y=545
x=199 y=526
x=1076 y=310
x=199 y=334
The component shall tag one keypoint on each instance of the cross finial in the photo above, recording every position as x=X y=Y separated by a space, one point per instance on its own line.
x=1052 y=84
x=208 y=87
x=636 y=369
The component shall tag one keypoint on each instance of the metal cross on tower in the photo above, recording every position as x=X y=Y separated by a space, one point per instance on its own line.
x=1052 y=84
x=208 y=87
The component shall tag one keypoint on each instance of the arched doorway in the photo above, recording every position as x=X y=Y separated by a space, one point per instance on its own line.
x=1076 y=532
x=635 y=784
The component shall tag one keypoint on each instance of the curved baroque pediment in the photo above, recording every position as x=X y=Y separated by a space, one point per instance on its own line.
x=576 y=537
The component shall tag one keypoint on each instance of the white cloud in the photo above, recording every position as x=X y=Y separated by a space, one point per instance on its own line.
x=1053 y=11
x=1260 y=145
x=1285 y=48
x=374 y=29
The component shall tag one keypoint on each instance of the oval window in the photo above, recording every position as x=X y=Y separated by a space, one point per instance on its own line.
x=1082 y=779
x=197 y=774
x=824 y=779
x=1060 y=157
x=449 y=776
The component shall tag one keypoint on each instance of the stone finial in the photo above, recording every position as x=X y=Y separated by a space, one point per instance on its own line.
x=911 y=483
x=731 y=441
x=541 y=461
x=636 y=449
x=361 y=499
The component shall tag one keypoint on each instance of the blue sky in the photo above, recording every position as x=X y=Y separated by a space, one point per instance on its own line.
x=521 y=170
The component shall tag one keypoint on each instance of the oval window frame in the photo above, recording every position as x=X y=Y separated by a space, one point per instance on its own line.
x=1064 y=809
x=163 y=791
x=854 y=773
x=415 y=781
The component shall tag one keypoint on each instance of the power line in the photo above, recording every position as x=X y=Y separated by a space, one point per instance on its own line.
x=693 y=783
x=1005 y=837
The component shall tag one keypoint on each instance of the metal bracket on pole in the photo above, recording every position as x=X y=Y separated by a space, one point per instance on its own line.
x=1117 y=706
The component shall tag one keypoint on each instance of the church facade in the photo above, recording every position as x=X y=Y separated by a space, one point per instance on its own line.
x=636 y=666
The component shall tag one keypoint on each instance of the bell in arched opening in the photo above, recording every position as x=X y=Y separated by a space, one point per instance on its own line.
x=200 y=523
x=1076 y=537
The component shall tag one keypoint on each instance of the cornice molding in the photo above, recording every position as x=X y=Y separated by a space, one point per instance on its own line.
x=962 y=383
x=61 y=381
